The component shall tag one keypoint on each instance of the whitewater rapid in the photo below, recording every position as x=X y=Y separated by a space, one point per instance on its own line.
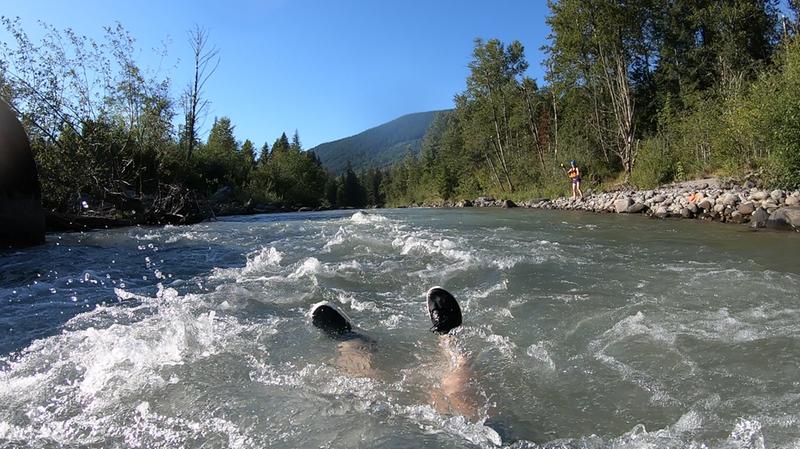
x=582 y=331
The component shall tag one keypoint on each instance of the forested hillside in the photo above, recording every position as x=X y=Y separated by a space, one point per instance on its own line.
x=376 y=147
x=639 y=93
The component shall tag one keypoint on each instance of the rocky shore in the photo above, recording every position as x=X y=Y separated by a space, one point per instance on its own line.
x=707 y=199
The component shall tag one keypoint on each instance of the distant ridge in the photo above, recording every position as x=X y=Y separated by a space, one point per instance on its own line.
x=379 y=146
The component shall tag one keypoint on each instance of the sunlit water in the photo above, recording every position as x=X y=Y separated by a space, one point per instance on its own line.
x=583 y=331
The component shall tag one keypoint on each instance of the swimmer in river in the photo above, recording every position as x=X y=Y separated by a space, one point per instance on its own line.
x=456 y=394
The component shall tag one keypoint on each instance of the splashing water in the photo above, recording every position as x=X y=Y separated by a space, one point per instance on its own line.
x=582 y=331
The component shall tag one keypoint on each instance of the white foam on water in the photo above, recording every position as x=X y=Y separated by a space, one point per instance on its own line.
x=261 y=259
x=350 y=299
x=147 y=236
x=500 y=286
x=393 y=322
x=638 y=324
x=339 y=238
x=189 y=236
x=431 y=421
x=538 y=351
x=747 y=434
x=308 y=268
x=362 y=217
x=503 y=344
x=82 y=386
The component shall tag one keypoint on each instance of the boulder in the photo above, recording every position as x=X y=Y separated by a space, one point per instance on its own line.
x=736 y=217
x=730 y=199
x=759 y=218
x=706 y=204
x=776 y=195
x=661 y=212
x=22 y=221
x=769 y=204
x=746 y=208
x=659 y=198
x=484 y=201
x=622 y=205
x=759 y=195
x=792 y=201
x=785 y=218
x=636 y=208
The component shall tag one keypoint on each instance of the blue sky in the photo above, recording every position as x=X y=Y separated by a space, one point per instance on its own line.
x=329 y=69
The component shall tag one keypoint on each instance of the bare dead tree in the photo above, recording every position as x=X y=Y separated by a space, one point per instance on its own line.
x=206 y=60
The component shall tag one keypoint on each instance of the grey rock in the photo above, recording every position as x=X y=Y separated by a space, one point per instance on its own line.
x=776 y=195
x=792 y=201
x=730 y=199
x=659 y=198
x=746 y=208
x=785 y=217
x=636 y=208
x=484 y=201
x=22 y=221
x=759 y=218
x=759 y=196
x=622 y=205
x=686 y=213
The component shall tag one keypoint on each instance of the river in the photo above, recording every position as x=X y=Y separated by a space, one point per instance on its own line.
x=581 y=330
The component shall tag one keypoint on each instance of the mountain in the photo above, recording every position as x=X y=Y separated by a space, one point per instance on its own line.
x=376 y=147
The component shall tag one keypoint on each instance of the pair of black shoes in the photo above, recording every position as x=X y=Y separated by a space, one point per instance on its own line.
x=443 y=308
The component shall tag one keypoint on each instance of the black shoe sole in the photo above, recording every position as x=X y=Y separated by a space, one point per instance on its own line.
x=329 y=319
x=444 y=310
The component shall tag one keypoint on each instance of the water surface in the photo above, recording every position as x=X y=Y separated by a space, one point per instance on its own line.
x=583 y=331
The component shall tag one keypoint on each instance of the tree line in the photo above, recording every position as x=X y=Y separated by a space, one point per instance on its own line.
x=104 y=135
x=639 y=93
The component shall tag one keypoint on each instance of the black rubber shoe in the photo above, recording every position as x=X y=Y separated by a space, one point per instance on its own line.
x=329 y=319
x=444 y=310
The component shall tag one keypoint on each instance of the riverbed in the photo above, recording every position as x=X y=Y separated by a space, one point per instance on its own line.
x=582 y=330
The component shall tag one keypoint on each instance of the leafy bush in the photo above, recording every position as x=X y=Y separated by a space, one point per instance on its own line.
x=655 y=165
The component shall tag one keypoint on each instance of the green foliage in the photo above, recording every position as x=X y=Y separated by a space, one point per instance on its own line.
x=101 y=130
x=656 y=164
x=778 y=117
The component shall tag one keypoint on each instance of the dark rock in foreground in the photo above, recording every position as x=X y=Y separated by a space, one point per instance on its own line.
x=21 y=214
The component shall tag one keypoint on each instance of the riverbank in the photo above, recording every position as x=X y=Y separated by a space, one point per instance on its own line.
x=175 y=207
x=706 y=199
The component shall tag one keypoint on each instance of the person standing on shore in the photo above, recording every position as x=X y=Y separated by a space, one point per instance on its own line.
x=574 y=174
